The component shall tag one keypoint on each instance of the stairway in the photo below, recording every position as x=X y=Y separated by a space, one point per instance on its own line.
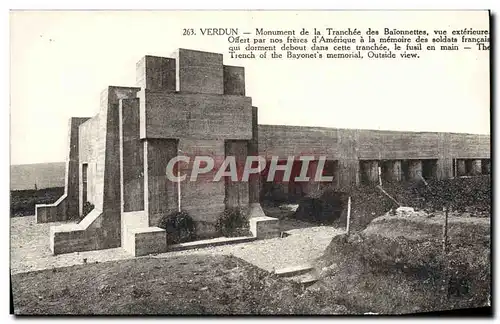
x=304 y=274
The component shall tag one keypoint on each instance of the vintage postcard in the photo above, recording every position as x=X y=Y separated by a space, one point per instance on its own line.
x=250 y=162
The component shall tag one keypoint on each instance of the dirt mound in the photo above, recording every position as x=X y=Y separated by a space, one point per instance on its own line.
x=329 y=205
x=325 y=206
x=397 y=265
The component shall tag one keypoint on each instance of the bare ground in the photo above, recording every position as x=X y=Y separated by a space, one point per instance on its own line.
x=30 y=250
x=188 y=285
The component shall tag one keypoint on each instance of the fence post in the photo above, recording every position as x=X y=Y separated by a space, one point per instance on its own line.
x=445 y=230
x=446 y=261
x=348 y=215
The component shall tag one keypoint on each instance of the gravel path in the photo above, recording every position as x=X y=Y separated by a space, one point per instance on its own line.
x=30 y=248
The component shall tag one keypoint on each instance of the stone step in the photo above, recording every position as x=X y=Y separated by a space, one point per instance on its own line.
x=294 y=270
x=210 y=242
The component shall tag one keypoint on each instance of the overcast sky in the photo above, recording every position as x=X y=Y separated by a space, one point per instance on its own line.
x=61 y=61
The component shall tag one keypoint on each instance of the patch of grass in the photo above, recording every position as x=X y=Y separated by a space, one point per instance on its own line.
x=189 y=285
x=22 y=202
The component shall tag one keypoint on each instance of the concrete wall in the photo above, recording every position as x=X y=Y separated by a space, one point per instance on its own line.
x=370 y=144
x=89 y=140
x=101 y=229
x=470 y=145
x=66 y=207
x=179 y=115
x=349 y=146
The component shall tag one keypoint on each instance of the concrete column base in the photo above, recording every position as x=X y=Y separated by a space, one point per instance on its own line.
x=264 y=227
x=145 y=241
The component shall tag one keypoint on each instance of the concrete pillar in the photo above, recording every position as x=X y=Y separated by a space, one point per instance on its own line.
x=445 y=162
x=253 y=150
x=475 y=167
x=237 y=191
x=370 y=171
x=234 y=80
x=461 y=170
x=200 y=72
x=486 y=166
x=394 y=171
x=445 y=168
x=348 y=165
x=132 y=157
x=160 y=194
x=414 y=170
x=156 y=73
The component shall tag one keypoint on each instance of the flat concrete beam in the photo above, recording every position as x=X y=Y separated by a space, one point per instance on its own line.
x=264 y=227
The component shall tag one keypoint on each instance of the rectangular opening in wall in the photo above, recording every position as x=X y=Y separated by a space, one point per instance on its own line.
x=429 y=169
x=473 y=167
